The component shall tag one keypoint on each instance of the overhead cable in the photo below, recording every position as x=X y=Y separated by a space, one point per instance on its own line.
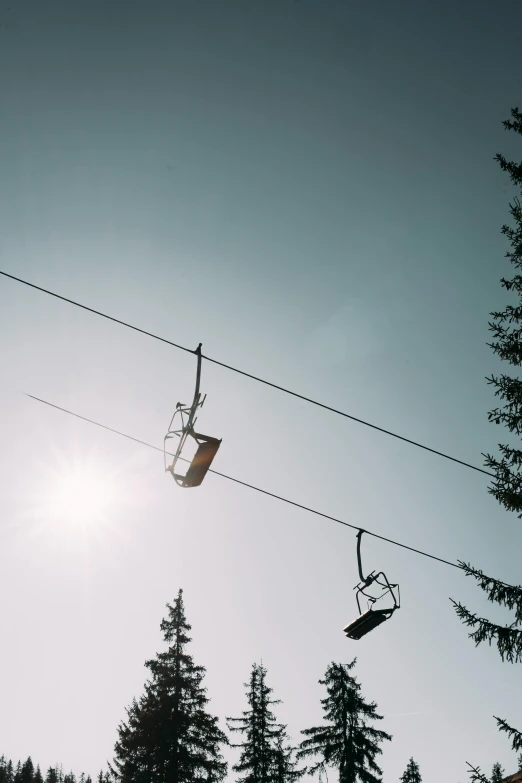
x=252 y=486
x=254 y=377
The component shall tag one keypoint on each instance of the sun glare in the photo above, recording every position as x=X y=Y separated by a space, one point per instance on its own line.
x=79 y=495
x=78 y=501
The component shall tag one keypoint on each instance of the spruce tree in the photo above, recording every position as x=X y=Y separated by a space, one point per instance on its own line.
x=6 y=770
x=411 y=773
x=506 y=327
x=27 y=771
x=53 y=775
x=169 y=736
x=507 y=344
x=347 y=741
x=260 y=730
x=497 y=773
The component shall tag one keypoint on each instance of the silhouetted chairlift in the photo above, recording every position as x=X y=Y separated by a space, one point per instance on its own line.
x=370 y=619
x=207 y=446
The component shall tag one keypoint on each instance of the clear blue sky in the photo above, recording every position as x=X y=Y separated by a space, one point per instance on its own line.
x=309 y=189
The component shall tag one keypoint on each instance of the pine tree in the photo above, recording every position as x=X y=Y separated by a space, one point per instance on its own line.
x=347 y=741
x=53 y=775
x=507 y=484
x=38 y=775
x=507 y=344
x=260 y=730
x=506 y=487
x=519 y=760
x=6 y=770
x=27 y=771
x=411 y=773
x=497 y=773
x=169 y=737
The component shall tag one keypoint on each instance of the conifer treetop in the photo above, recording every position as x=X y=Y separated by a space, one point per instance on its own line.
x=346 y=740
x=497 y=773
x=264 y=757
x=412 y=773
x=169 y=737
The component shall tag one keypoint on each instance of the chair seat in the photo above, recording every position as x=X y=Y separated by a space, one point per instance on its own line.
x=198 y=468
x=367 y=622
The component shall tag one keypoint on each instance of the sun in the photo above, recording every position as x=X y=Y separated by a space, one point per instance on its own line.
x=78 y=502
x=77 y=493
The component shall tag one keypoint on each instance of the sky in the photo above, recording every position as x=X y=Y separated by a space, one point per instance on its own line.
x=307 y=188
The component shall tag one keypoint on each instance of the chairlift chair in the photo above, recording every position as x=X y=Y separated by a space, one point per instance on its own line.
x=181 y=426
x=372 y=617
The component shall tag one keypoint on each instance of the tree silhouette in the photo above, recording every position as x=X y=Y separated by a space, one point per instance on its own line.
x=26 y=772
x=347 y=741
x=262 y=748
x=497 y=773
x=169 y=736
x=506 y=487
x=412 y=773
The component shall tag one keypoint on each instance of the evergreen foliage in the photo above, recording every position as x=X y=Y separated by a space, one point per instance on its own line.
x=266 y=756
x=506 y=328
x=514 y=735
x=497 y=773
x=26 y=773
x=169 y=736
x=508 y=638
x=476 y=776
x=284 y=764
x=346 y=741
x=412 y=773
